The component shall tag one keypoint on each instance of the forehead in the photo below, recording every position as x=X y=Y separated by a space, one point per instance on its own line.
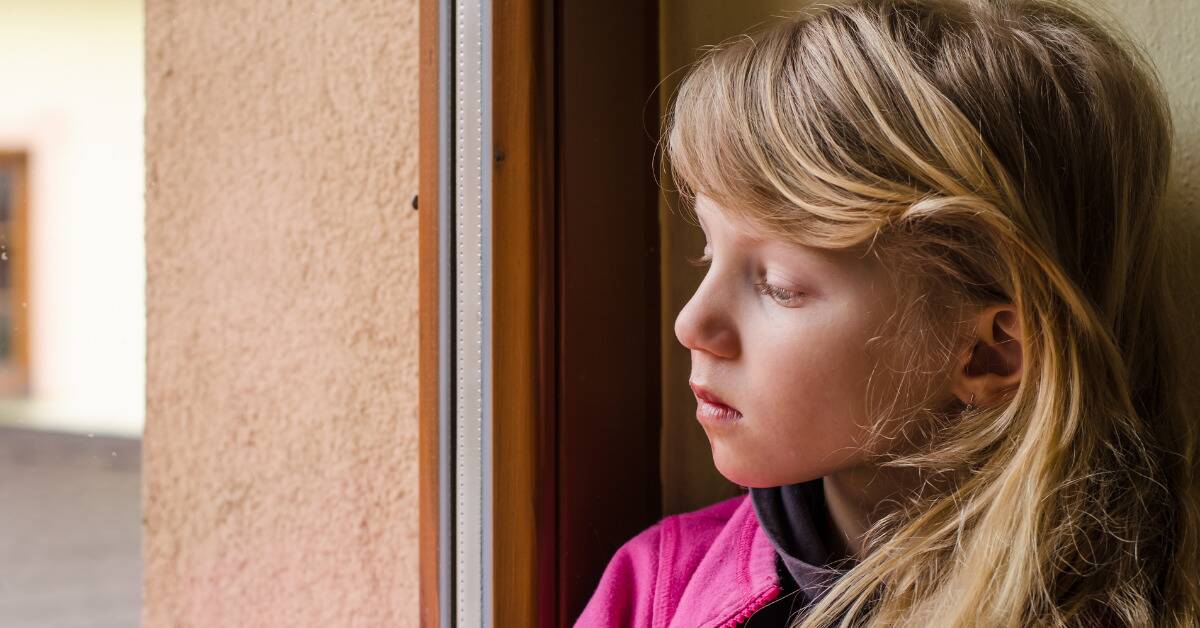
x=713 y=216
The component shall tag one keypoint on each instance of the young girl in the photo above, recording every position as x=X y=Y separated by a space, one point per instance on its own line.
x=935 y=335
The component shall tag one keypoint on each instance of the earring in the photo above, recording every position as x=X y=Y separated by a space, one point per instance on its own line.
x=971 y=403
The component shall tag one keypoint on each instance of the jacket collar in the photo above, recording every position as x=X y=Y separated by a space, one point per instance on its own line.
x=735 y=578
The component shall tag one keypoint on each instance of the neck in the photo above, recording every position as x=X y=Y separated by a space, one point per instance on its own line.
x=857 y=497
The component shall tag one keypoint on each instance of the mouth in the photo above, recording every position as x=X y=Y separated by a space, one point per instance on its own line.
x=711 y=408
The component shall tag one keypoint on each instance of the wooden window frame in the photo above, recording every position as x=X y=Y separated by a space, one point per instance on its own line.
x=575 y=300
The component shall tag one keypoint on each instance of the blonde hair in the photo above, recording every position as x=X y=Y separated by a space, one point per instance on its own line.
x=990 y=151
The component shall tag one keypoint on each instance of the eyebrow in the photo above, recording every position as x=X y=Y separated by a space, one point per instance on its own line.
x=738 y=234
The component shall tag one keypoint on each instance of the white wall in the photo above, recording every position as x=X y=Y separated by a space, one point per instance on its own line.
x=71 y=77
x=1170 y=32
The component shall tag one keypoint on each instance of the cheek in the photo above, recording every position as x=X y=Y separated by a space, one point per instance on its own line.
x=807 y=412
x=818 y=364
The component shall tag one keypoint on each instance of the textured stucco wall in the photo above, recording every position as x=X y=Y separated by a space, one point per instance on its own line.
x=1169 y=30
x=280 y=443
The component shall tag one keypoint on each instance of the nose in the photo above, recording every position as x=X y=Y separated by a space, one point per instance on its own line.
x=704 y=324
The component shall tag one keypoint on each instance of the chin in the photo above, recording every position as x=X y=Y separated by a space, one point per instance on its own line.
x=746 y=470
x=737 y=470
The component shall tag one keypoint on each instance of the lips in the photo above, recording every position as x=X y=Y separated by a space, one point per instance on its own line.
x=710 y=407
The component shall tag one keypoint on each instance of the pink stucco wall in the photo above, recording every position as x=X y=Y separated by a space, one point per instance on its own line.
x=280 y=466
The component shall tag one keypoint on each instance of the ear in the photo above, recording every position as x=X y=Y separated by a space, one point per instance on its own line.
x=992 y=364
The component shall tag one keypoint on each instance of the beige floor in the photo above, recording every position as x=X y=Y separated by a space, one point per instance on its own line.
x=69 y=530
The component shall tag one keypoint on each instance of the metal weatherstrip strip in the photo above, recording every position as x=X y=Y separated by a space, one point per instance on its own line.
x=472 y=354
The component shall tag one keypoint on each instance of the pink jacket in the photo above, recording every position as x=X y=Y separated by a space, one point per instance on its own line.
x=710 y=567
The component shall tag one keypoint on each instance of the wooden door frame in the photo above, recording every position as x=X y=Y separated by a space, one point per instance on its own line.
x=575 y=299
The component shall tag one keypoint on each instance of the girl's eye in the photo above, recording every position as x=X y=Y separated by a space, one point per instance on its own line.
x=783 y=296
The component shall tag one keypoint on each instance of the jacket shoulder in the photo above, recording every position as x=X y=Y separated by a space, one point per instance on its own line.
x=643 y=581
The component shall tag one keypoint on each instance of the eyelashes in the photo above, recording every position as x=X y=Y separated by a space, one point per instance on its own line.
x=781 y=295
x=701 y=262
x=784 y=297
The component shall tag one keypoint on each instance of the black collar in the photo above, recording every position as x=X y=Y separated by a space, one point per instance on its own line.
x=792 y=517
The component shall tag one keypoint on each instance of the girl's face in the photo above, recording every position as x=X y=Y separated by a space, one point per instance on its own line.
x=778 y=332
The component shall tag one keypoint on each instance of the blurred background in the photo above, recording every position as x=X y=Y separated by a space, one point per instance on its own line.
x=72 y=321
